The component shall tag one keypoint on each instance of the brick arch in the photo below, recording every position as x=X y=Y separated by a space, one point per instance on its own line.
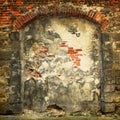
x=93 y=16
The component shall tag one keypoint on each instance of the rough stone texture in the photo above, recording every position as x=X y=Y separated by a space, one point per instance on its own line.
x=66 y=9
x=111 y=64
x=9 y=73
x=4 y=70
x=109 y=107
x=109 y=88
x=10 y=68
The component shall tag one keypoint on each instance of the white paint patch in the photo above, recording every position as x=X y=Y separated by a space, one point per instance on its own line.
x=86 y=63
x=83 y=42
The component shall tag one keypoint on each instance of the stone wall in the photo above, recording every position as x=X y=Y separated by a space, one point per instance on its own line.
x=5 y=49
x=111 y=64
x=10 y=76
x=10 y=80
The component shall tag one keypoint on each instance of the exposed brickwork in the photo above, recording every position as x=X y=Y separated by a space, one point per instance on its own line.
x=75 y=54
x=11 y=10
x=95 y=17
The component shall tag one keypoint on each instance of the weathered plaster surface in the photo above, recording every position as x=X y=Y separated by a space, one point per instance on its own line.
x=60 y=64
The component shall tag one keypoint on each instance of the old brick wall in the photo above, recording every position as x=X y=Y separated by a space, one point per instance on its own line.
x=14 y=15
x=59 y=68
x=111 y=65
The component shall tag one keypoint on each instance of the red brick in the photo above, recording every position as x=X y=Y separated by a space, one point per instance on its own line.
x=77 y=55
x=77 y=63
x=16 y=26
x=78 y=49
x=73 y=11
x=104 y=25
x=43 y=50
x=19 y=2
x=18 y=23
x=91 y=14
x=71 y=52
x=98 y=17
x=72 y=56
x=29 y=7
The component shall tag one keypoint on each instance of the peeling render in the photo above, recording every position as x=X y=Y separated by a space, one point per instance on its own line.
x=16 y=14
x=61 y=67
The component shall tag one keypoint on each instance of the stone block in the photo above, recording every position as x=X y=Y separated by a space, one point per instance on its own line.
x=109 y=107
x=117 y=73
x=108 y=81
x=3 y=107
x=3 y=93
x=109 y=97
x=117 y=87
x=109 y=72
x=117 y=80
x=118 y=110
x=109 y=88
x=116 y=56
x=107 y=63
x=4 y=63
x=5 y=55
x=117 y=104
x=116 y=46
x=112 y=97
x=15 y=79
x=115 y=36
x=109 y=76
x=15 y=55
x=117 y=97
x=95 y=107
x=116 y=66
x=4 y=36
x=14 y=108
x=105 y=36
x=13 y=98
x=16 y=45
x=15 y=64
x=5 y=28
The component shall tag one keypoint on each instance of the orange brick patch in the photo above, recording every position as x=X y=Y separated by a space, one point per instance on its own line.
x=71 y=50
x=74 y=54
